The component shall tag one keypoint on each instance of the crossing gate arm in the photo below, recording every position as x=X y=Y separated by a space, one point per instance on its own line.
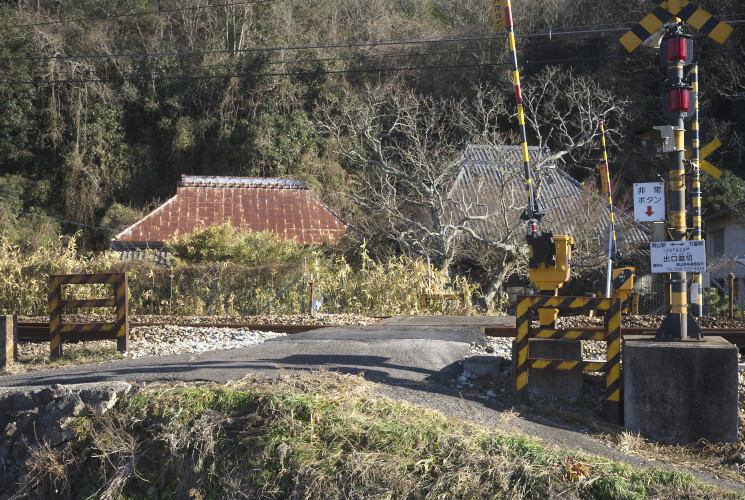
x=527 y=308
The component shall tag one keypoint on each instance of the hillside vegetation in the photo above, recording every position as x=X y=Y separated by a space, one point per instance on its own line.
x=106 y=104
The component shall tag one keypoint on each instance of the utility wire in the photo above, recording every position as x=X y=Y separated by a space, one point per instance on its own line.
x=134 y=14
x=353 y=44
x=245 y=75
x=330 y=72
x=102 y=228
x=371 y=43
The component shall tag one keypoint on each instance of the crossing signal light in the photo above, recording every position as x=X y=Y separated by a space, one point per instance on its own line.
x=676 y=50
x=679 y=100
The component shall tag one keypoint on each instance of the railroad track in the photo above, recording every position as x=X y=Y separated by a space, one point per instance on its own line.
x=40 y=330
x=734 y=335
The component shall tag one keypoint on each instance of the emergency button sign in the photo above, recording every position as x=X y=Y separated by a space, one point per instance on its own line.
x=649 y=201
x=678 y=256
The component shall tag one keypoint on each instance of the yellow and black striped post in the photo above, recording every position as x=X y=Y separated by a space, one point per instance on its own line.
x=697 y=295
x=122 y=312
x=678 y=324
x=55 y=312
x=677 y=319
x=612 y=405
x=524 y=317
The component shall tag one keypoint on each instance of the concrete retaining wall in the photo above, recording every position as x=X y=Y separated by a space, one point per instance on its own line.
x=31 y=417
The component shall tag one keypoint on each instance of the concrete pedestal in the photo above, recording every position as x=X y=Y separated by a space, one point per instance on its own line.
x=483 y=366
x=554 y=383
x=680 y=392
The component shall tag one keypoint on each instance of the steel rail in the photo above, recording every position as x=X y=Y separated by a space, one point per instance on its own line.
x=734 y=335
x=40 y=330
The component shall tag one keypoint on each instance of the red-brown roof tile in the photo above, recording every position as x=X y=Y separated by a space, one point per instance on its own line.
x=285 y=207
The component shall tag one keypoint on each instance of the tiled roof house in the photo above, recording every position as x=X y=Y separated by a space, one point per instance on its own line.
x=286 y=207
x=491 y=182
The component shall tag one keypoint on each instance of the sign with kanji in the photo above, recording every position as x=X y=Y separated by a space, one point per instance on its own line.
x=649 y=201
x=499 y=15
x=678 y=256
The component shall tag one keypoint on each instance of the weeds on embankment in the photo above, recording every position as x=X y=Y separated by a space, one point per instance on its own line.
x=244 y=285
x=320 y=435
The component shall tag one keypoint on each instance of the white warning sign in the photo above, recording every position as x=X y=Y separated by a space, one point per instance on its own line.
x=649 y=201
x=678 y=256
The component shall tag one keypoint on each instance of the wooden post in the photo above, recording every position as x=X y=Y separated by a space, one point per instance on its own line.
x=634 y=304
x=8 y=341
x=732 y=295
x=312 y=297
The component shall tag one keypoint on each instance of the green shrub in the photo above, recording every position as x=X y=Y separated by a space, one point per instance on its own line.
x=223 y=242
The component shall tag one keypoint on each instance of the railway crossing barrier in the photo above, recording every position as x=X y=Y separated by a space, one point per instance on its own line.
x=118 y=330
x=527 y=308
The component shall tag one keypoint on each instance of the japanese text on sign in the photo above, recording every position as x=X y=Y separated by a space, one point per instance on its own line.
x=678 y=256
x=498 y=13
x=649 y=201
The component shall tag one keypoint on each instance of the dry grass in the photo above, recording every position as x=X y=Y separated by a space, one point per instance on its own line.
x=724 y=460
x=320 y=435
x=33 y=356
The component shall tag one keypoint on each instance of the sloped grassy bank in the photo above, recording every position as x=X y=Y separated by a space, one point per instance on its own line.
x=321 y=435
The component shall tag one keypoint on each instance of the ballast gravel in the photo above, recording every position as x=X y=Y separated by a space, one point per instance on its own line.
x=165 y=340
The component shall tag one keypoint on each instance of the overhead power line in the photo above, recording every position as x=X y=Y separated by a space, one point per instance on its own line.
x=251 y=49
x=148 y=78
x=341 y=45
x=80 y=224
x=284 y=48
x=134 y=14
x=318 y=72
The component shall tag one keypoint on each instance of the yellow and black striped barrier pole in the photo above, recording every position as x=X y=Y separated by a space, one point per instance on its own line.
x=502 y=10
x=605 y=171
x=697 y=292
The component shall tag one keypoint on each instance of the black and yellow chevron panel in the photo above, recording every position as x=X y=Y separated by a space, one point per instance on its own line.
x=665 y=11
x=712 y=27
x=527 y=308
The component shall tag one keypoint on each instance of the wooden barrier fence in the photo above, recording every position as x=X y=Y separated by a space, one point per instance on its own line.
x=60 y=331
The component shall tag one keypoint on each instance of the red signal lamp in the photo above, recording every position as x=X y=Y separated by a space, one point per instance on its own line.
x=680 y=100
x=677 y=49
